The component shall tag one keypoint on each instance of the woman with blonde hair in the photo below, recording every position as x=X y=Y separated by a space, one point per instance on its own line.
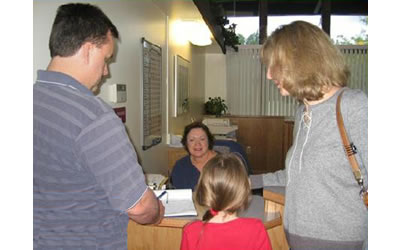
x=323 y=208
x=224 y=189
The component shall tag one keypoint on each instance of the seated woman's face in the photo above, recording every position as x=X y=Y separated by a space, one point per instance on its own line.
x=197 y=142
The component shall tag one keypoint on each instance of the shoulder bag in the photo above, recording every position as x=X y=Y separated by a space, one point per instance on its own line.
x=350 y=151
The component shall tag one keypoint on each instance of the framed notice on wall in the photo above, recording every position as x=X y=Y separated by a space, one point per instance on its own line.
x=181 y=85
x=151 y=94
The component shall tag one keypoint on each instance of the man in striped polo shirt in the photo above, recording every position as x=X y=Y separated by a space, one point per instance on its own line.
x=87 y=181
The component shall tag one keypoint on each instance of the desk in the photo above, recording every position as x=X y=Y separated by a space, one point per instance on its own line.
x=168 y=234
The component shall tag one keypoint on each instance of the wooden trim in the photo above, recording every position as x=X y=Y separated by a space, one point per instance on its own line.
x=176 y=222
x=275 y=197
x=273 y=223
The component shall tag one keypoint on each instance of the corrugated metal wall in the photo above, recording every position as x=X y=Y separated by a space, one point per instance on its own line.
x=357 y=60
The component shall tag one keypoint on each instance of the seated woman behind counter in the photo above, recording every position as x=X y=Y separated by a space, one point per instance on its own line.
x=198 y=142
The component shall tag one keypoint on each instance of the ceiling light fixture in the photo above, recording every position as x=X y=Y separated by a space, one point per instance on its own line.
x=196 y=32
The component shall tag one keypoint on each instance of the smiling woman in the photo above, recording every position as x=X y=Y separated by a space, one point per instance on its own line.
x=198 y=142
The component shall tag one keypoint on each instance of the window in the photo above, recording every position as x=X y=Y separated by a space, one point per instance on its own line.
x=355 y=33
x=250 y=93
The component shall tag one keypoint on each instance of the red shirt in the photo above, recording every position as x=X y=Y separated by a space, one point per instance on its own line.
x=241 y=233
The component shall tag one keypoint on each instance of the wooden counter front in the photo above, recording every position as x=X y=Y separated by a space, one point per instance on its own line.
x=168 y=234
x=274 y=202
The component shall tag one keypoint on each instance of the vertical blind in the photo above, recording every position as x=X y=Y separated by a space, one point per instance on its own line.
x=244 y=80
x=249 y=92
x=357 y=59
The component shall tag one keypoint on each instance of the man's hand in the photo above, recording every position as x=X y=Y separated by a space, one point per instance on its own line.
x=149 y=210
x=161 y=214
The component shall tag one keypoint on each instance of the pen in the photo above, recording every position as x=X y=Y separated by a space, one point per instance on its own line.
x=161 y=195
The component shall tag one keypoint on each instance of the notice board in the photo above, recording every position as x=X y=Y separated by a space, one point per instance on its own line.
x=151 y=94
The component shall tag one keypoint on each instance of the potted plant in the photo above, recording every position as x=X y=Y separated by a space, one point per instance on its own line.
x=228 y=33
x=231 y=39
x=215 y=106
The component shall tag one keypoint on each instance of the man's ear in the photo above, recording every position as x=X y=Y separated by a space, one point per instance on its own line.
x=85 y=52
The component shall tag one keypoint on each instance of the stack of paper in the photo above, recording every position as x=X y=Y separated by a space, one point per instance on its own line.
x=156 y=181
x=177 y=202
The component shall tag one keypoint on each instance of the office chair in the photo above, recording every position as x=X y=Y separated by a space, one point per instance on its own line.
x=225 y=146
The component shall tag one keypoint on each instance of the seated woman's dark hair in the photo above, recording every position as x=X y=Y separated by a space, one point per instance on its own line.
x=193 y=125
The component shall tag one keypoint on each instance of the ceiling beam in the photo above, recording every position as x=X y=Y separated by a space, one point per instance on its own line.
x=208 y=16
x=293 y=7
x=326 y=16
x=263 y=20
x=317 y=7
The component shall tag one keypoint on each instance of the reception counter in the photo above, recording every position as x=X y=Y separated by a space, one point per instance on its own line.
x=274 y=197
x=168 y=234
x=275 y=194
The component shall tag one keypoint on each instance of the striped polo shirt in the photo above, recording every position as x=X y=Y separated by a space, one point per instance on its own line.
x=85 y=170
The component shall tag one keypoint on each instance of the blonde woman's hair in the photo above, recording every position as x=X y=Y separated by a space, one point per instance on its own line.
x=306 y=62
x=223 y=185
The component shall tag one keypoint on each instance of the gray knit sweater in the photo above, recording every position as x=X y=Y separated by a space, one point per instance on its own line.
x=322 y=197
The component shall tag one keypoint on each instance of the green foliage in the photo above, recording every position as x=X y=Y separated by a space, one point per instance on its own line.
x=253 y=38
x=364 y=20
x=215 y=106
x=231 y=39
x=242 y=40
x=360 y=39
x=229 y=33
x=222 y=20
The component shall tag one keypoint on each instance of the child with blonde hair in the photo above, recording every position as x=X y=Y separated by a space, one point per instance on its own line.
x=224 y=188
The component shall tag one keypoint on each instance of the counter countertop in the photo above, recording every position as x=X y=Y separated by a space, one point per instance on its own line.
x=274 y=193
x=255 y=210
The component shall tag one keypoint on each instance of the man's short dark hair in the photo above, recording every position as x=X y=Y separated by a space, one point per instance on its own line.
x=76 y=24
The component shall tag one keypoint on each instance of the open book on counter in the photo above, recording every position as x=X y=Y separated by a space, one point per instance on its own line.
x=177 y=202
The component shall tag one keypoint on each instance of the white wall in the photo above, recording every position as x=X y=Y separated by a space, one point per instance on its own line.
x=215 y=80
x=184 y=10
x=134 y=20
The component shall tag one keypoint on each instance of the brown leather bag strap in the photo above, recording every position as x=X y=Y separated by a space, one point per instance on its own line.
x=349 y=147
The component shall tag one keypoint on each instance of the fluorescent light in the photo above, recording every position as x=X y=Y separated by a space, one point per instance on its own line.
x=193 y=31
x=200 y=34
